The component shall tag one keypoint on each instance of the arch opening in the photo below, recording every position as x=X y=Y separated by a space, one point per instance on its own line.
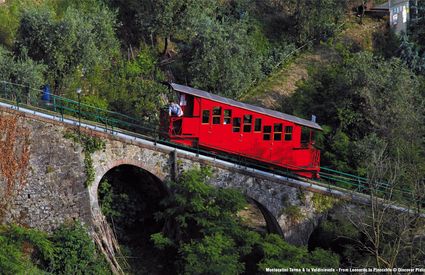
x=260 y=219
x=336 y=233
x=129 y=197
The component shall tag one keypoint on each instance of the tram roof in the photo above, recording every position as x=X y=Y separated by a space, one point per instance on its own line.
x=231 y=102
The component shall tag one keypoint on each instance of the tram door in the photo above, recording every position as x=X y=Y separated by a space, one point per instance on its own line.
x=267 y=142
x=276 y=148
x=215 y=127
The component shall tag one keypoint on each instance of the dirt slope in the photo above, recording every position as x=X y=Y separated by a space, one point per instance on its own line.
x=269 y=92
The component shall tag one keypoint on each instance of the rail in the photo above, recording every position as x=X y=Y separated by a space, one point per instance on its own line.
x=24 y=96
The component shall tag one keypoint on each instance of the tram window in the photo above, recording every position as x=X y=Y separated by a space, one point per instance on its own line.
x=216 y=115
x=247 y=121
x=205 y=116
x=236 y=124
x=257 y=126
x=288 y=133
x=278 y=131
x=227 y=116
x=305 y=135
x=267 y=130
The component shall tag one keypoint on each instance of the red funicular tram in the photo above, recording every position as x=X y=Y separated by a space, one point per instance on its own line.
x=221 y=124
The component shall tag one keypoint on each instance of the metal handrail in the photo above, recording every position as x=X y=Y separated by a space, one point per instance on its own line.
x=69 y=107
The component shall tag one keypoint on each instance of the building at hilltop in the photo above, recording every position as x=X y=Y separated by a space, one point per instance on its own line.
x=398 y=12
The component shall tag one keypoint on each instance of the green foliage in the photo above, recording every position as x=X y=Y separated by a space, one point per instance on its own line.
x=279 y=254
x=417 y=29
x=21 y=69
x=68 y=250
x=90 y=145
x=134 y=87
x=362 y=95
x=88 y=165
x=214 y=254
x=94 y=101
x=410 y=53
x=323 y=203
x=143 y=65
x=204 y=235
x=200 y=205
x=75 y=252
x=317 y=19
x=10 y=14
x=24 y=250
x=294 y=213
x=302 y=21
x=160 y=241
x=107 y=198
x=77 y=39
x=218 y=57
x=13 y=260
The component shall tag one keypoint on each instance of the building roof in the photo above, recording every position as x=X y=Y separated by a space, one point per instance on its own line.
x=390 y=4
x=276 y=114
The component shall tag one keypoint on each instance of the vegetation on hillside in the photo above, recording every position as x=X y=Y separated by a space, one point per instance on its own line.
x=368 y=97
x=200 y=230
x=68 y=250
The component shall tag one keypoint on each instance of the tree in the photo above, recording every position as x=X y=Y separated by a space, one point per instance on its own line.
x=362 y=95
x=9 y=20
x=75 y=252
x=416 y=26
x=279 y=254
x=69 y=249
x=304 y=21
x=219 y=54
x=163 y=19
x=77 y=40
x=215 y=254
x=410 y=53
x=391 y=236
x=317 y=19
x=203 y=234
x=134 y=87
x=21 y=70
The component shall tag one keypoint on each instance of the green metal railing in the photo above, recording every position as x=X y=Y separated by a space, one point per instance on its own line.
x=23 y=96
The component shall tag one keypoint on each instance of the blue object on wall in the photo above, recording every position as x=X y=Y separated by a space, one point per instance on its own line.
x=46 y=93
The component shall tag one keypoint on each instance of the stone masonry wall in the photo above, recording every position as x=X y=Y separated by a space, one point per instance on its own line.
x=49 y=189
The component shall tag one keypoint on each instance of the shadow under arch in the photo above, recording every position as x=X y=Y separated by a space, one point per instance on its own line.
x=273 y=226
x=129 y=196
x=102 y=169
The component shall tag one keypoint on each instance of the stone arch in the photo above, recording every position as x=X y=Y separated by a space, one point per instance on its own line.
x=102 y=170
x=265 y=195
x=271 y=222
x=102 y=232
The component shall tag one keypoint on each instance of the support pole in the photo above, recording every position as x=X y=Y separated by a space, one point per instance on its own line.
x=173 y=164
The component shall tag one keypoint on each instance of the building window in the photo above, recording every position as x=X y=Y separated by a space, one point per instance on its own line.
x=227 y=116
x=278 y=131
x=247 y=122
x=267 y=130
x=216 y=115
x=236 y=124
x=257 y=126
x=288 y=133
x=205 y=116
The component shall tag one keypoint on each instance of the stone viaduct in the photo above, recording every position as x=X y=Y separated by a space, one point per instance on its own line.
x=43 y=174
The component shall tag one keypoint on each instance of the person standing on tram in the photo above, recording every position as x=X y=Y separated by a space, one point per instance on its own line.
x=175 y=110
